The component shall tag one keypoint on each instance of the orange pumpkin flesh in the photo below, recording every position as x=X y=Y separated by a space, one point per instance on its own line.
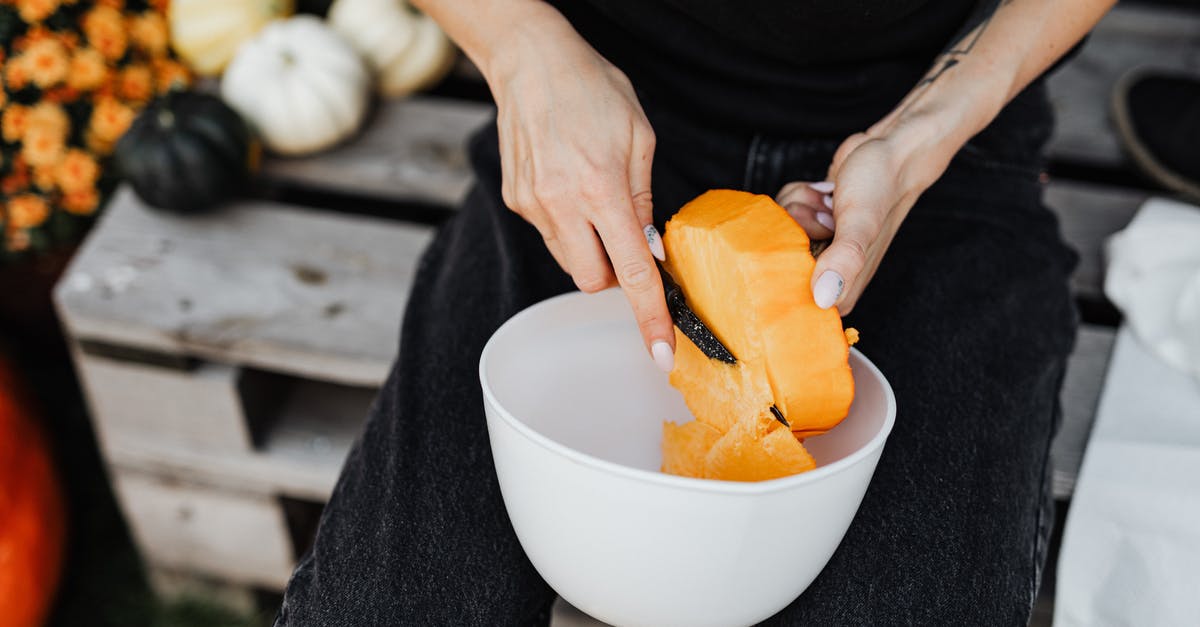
x=745 y=269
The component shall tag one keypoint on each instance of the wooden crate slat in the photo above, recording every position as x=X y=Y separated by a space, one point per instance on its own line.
x=234 y=536
x=1080 y=396
x=256 y=283
x=1088 y=214
x=412 y=150
x=197 y=408
x=1127 y=37
x=301 y=456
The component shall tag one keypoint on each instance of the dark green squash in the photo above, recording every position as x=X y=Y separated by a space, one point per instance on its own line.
x=187 y=151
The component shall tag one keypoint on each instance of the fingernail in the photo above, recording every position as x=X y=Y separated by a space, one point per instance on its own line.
x=663 y=355
x=828 y=200
x=828 y=288
x=824 y=187
x=655 y=242
x=825 y=219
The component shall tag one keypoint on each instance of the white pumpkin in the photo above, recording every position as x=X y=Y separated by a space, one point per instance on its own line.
x=300 y=85
x=406 y=48
x=206 y=33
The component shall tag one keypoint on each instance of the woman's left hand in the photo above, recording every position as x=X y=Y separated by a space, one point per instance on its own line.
x=873 y=182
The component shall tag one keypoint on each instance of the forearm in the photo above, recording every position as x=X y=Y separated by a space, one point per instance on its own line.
x=975 y=78
x=492 y=33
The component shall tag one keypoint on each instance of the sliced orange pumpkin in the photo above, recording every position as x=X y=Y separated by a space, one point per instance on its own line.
x=745 y=269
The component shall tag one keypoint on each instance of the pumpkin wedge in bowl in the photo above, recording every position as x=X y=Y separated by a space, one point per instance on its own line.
x=745 y=269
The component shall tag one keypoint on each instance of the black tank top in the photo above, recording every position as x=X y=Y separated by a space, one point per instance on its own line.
x=818 y=68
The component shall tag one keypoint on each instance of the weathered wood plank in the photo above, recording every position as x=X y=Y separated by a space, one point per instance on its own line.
x=262 y=284
x=199 y=408
x=411 y=150
x=238 y=537
x=1080 y=396
x=1130 y=36
x=1088 y=215
x=302 y=453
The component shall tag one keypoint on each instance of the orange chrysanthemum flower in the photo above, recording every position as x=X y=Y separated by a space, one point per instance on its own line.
x=18 y=240
x=43 y=177
x=82 y=202
x=136 y=83
x=78 y=171
x=41 y=147
x=88 y=69
x=149 y=32
x=16 y=75
x=115 y=4
x=110 y=118
x=26 y=211
x=46 y=61
x=51 y=118
x=170 y=74
x=36 y=10
x=14 y=122
x=105 y=31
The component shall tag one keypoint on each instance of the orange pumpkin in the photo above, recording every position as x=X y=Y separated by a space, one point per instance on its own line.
x=32 y=521
x=745 y=269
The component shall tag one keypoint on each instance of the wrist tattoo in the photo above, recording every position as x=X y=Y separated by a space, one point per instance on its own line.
x=963 y=46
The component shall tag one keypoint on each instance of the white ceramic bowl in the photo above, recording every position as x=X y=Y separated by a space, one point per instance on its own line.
x=575 y=410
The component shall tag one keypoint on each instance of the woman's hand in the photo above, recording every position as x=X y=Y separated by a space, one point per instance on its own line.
x=873 y=182
x=879 y=174
x=575 y=153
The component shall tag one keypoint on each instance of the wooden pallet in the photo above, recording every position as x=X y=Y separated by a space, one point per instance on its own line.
x=230 y=358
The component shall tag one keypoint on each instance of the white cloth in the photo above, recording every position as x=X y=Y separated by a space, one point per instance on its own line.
x=1131 y=549
x=1130 y=555
x=1153 y=276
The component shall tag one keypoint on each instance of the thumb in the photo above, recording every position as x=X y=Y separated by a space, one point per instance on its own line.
x=838 y=276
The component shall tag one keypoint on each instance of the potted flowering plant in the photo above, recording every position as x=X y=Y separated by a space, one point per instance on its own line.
x=74 y=74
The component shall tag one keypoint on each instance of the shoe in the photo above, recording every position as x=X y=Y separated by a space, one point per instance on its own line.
x=1158 y=119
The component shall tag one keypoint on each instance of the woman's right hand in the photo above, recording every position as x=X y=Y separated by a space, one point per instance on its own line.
x=576 y=152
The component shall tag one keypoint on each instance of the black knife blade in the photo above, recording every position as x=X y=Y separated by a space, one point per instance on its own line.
x=690 y=324
x=694 y=328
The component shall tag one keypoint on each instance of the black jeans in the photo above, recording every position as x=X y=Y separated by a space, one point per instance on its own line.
x=969 y=317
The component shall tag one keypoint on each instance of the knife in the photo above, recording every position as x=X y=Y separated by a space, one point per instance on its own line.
x=694 y=328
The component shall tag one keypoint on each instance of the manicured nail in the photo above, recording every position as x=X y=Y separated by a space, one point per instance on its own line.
x=655 y=242
x=828 y=288
x=663 y=355
x=828 y=200
x=825 y=219
x=824 y=187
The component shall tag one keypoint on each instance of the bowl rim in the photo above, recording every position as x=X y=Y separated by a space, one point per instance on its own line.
x=716 y=486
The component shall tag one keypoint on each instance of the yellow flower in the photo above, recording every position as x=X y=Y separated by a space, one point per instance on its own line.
x=136 y=83
x=169 y=73
x=51 y=118
x=27 y=211
x=88 y=69
x=41 y=147
x=82 y=202
x=110 y=118
x=105 y=31
x=78 y=171
x=36 y=10
x=149 y=32
x=46 y=61
x=14 y=122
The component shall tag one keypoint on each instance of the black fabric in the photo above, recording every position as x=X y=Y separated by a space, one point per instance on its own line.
x=1165 y=113
x=969 y=317
x=817 y=68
